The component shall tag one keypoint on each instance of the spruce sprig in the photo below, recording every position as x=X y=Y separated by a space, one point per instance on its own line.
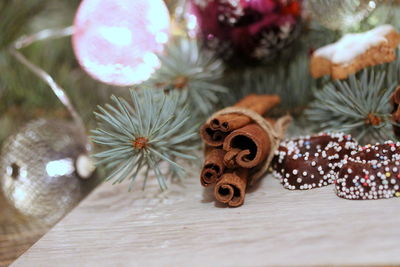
x=15 y=16
x=288 y=79
x=358 y=105
x=155 y=128
x=186 y=67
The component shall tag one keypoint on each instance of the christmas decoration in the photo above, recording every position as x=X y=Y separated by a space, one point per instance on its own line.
x=25 y=97
x=240 y=145
x=127 y=42
x=254 y=29
x=179 y=15
x=184 y=22
x=43 y=167
x=312 y=161
x=341 y=15
x=22 y=100
x=356 y=51
x=116 y=47
x=187 y=68
x=372 y=173
x=155 y=129
x=358 y=105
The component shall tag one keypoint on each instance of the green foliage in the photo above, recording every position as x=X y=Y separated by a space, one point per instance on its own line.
x=386 y=12
x=139 y=137
x=316 y=36
x=358 y=105
x=15 y=14
x=291 y=81
x=188 y=68
x=383 y=12
x=288 y=76
x=23 y=96
x=288 y=79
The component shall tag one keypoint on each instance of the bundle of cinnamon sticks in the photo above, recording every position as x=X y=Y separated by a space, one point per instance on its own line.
x=236 y=145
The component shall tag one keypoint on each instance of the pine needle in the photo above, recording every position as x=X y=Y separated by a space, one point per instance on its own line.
x=154 y=128
x=358 y=105
x=195 y=72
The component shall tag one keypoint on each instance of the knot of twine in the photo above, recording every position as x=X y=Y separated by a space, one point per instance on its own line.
x=275 y=133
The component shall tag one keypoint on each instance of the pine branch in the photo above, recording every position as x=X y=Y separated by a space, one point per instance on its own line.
x=358 y=105
x=23 y=96
x=290 y=80
x=138 y=136
x=288 y=76
x=386 y=12
x=188 y=68
x=315 y=36
x=15 y=15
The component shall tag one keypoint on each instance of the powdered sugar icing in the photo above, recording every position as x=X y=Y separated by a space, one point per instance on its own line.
x=354 y=44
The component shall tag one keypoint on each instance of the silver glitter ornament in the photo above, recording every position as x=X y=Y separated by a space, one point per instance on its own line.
x=42 y=167
x=341 y=14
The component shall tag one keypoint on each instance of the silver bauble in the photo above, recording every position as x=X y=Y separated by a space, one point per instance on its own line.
x=341 y=14
x=40 y=167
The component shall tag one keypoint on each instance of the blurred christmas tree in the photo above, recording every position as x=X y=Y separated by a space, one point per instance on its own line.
x=218 y=52
x=196 y=57
x=22 y=95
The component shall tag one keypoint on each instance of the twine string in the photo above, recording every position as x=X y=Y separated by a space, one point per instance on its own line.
x=275 y=133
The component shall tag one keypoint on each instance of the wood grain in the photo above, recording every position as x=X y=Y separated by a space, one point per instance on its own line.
x=184 y=226
x=17 y=232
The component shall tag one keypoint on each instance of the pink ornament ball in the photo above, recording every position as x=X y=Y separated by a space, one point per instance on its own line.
x=115 y=41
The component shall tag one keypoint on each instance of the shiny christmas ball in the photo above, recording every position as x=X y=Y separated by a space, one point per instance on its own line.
x=248 y=29
x=115 y=41
x=43 y=169
x=341 y=15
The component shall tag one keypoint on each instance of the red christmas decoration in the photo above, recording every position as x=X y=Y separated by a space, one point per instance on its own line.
x=249 y=29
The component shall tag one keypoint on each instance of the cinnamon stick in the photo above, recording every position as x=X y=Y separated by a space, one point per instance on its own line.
x=246 y=147
x=229 y=158
x=213 y=166
x=231 y=188
x=257 y=103
x=229 y=122
x=212 y=137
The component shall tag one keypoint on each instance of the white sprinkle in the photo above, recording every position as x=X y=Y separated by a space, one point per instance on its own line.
x=313 y=163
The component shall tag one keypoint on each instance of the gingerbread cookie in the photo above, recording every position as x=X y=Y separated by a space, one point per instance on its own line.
x=372 y=173
x=312 y=161
x=354 y=52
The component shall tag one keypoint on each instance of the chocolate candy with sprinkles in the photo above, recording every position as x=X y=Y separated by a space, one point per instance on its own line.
x=312 y=161
x=372 y=173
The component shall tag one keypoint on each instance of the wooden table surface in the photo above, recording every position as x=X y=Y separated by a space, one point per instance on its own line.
x=185 y=227
x=17 y=232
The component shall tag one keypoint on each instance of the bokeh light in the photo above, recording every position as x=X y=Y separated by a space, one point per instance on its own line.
x=115 y=41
